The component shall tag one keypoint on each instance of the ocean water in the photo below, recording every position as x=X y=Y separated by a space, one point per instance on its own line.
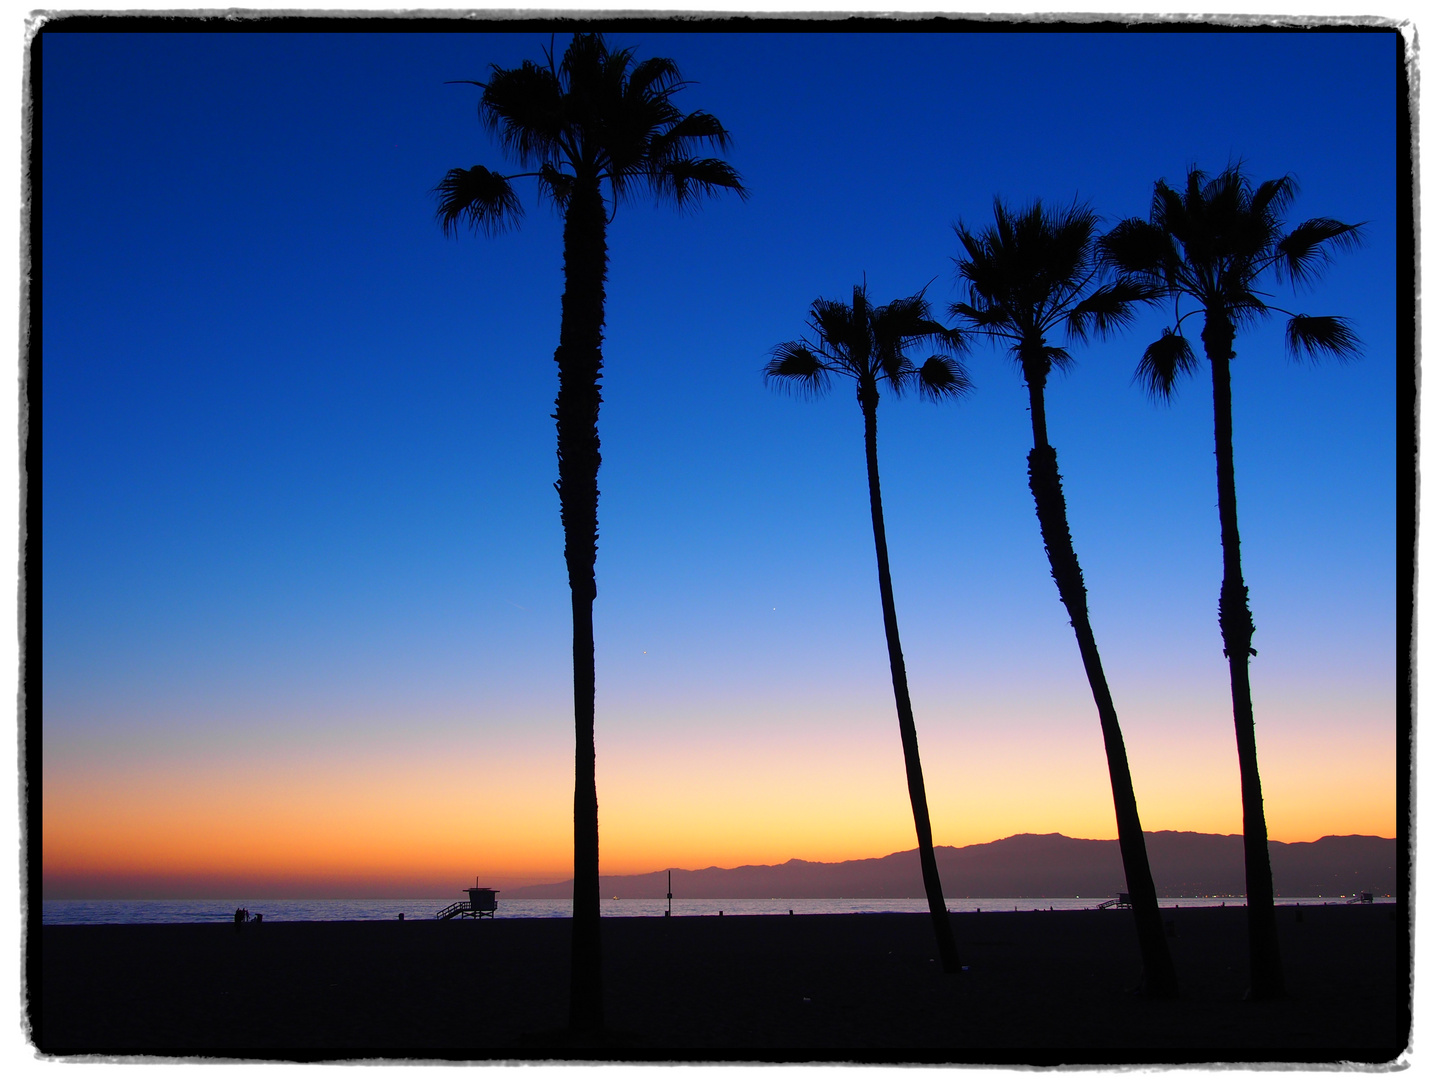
x=95 y=912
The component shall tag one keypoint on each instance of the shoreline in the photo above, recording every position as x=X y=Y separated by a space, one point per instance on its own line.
x=381 y=909
x=1042 y=987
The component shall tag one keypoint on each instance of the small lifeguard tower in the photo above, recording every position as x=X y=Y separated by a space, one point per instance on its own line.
x=480 y=904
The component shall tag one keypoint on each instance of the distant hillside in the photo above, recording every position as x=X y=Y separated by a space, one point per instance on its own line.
x=1183 y=864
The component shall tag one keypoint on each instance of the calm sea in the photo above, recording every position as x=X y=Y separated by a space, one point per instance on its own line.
x=83 y=912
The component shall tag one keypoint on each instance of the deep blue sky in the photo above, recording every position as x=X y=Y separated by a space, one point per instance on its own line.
x=298 y=454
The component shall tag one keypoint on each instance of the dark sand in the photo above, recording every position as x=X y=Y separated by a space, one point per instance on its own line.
x=1042 y=987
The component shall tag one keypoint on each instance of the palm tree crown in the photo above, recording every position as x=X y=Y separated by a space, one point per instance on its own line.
x=1034 y=272
x=598 y=117
x=868 y=344
x=1213 y=242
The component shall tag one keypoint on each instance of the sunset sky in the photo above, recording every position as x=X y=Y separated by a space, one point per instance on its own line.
x=305 y=617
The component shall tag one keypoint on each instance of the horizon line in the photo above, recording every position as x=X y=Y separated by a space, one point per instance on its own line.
x=67 y=886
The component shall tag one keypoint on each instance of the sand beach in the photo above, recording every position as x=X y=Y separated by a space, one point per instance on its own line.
x=1041 y=987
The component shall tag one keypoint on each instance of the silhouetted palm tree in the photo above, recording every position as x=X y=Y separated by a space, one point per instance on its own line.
x=1211 y=243
x=600 y=118
x=1033 y=273
x=868 y=344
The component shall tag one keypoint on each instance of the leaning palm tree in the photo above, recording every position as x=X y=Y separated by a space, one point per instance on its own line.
x=868 y=344
x=598 y=121
x=1031 y=274
x=1210 y=244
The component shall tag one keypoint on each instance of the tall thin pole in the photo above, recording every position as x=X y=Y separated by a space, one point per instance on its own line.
x=668 y=894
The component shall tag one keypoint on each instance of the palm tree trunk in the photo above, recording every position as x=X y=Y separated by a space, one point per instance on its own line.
x=577 y=410
x=1160 y=978
x=1267 y=978
x=910 y=743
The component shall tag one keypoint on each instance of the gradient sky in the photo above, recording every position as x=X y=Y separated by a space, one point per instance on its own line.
x=305 y=617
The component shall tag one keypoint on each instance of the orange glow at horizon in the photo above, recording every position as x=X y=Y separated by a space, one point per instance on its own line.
x=424 y=816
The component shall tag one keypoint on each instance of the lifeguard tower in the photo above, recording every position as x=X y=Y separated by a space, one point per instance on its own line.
x=480 y=904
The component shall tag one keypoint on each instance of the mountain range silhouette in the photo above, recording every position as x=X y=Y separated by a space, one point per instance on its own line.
x=1032 y=865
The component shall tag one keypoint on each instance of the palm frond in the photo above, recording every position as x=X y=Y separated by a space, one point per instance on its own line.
x=1273 y=197
x=1315 y=336
x=905 y=323
x=685 y=183
x=677 y=139
x=556 y=185
x=593 y=81
x=586 y=57
x=941 y=377
x=482 y=199
x=1170 y=210
x=1110 y=307
x=1244 y=307
x=1069 y=235
x=1058 y=359
x=988 y=318
x=796 y=368
x=1306 y=249
x=904 y=319
x=656 y=77
x=526 y=108
x=892 y=329
x=1137 y=247
x=834 y=325
x=1224 y=196
x=973 y=244
x=859 y=347
x=951 y=338
x=1163 y=362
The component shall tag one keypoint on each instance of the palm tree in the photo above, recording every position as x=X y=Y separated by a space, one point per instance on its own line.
x=1211 y=244
x=868 y=344
x=600 y=119
x=1034 y=272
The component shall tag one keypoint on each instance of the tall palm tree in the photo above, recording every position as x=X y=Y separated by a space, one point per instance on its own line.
x=1211 y=244
x=868 y=344
x=1033 y=273
x=600 y=120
